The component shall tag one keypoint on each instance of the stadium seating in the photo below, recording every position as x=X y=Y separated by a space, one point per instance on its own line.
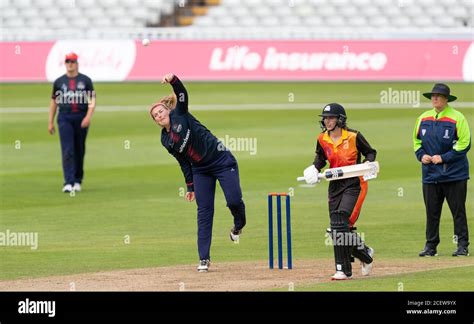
x=86 y=14
x=337 y=13
x=252 y=19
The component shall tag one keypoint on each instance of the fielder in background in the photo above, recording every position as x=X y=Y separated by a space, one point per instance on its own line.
x=74 y=94
x=203 y=160
x=441 y=141
x=342 y=147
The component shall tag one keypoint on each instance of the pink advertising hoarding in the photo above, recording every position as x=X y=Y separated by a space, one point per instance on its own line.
x=243 y=60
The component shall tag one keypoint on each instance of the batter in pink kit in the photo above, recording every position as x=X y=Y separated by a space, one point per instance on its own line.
x=203 y=160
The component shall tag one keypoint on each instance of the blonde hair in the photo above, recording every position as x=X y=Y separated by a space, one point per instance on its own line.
x=168 y=102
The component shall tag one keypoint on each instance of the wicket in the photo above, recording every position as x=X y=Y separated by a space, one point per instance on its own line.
x=279 y=230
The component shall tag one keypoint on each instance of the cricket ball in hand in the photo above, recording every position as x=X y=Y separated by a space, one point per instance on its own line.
x=145 y=42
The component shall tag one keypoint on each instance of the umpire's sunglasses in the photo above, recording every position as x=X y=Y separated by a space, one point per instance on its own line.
x=70 y=61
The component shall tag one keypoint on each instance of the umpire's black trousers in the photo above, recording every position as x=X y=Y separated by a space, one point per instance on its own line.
x=455 y=194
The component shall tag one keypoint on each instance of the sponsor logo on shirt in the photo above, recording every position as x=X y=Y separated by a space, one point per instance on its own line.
x=185 y=141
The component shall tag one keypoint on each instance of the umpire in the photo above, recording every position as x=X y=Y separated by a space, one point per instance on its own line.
x=441 y=141
x=74 y=94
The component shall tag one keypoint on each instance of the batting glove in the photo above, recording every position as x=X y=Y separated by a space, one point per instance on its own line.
x=311 y=175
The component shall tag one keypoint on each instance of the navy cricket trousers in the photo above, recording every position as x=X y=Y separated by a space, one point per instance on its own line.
x=73 y=145
x=226 y=171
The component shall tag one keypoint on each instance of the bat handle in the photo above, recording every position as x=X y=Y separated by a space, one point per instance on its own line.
x=300 y=179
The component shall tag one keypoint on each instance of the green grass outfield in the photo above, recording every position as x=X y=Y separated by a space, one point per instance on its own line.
x=135 y=193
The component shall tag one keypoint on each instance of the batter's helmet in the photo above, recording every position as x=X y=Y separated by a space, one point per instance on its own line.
x=334 y=110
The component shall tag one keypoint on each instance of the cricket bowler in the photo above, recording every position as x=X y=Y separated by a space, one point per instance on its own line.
x=203 y=160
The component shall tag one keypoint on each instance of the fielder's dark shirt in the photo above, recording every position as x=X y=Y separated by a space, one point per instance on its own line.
x=72 y=94
x=190 y=142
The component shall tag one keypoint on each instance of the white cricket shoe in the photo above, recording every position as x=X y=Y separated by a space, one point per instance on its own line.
x=367 y=267
x=339 y=275
x=77 y=187
x=235 y=235
x=204 y=266
x=67 y=188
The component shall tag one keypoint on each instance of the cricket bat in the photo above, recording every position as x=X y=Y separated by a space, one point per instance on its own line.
x=366 y=170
